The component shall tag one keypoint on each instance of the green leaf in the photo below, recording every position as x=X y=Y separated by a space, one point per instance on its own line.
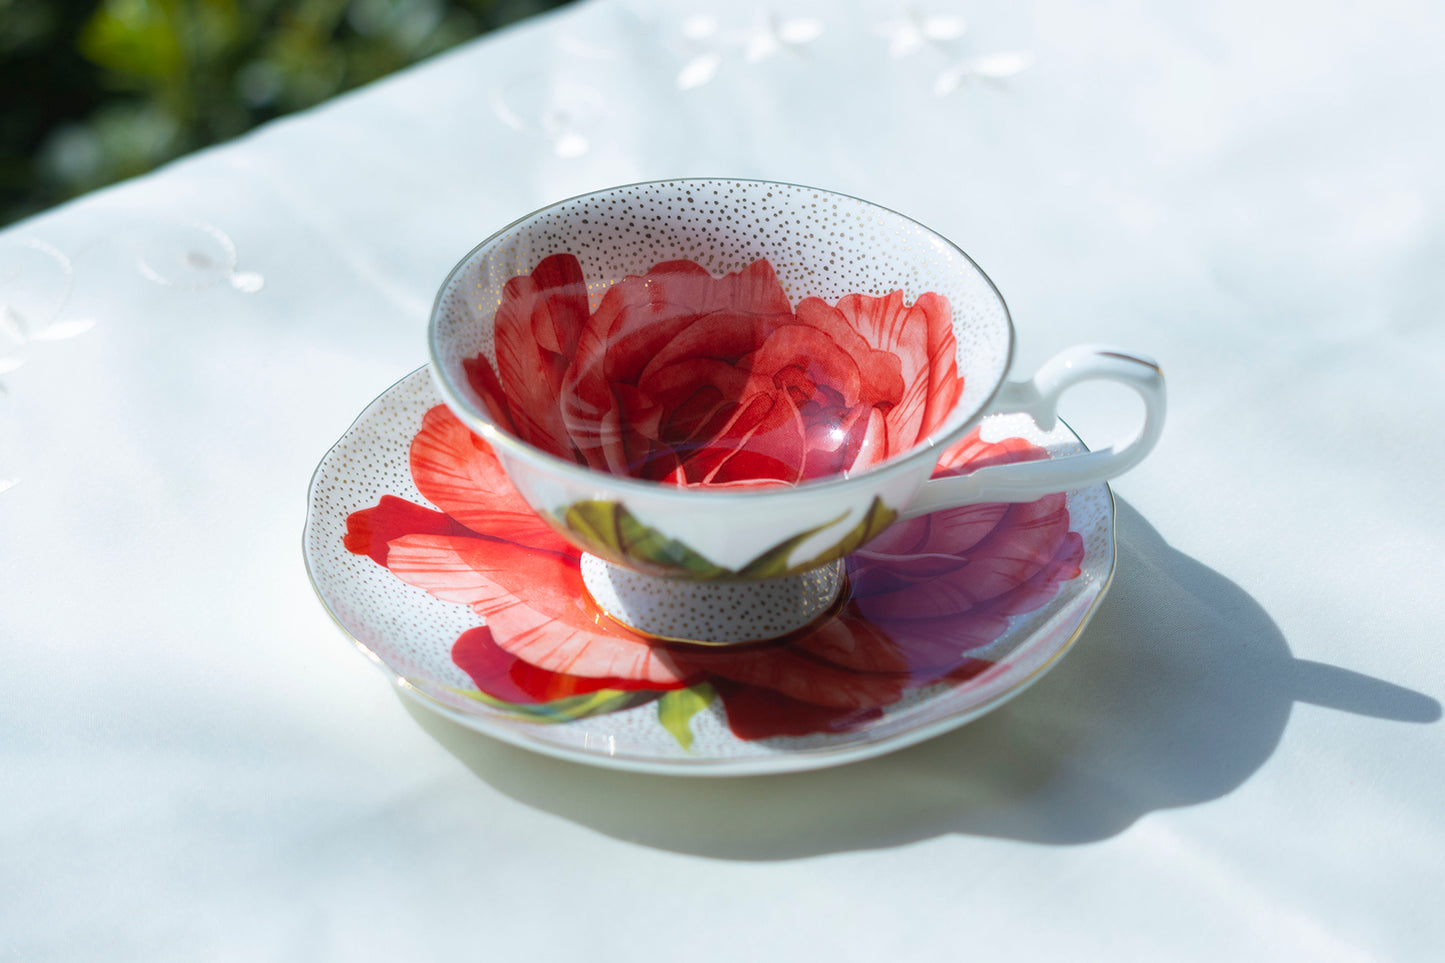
x=878 y=517
x=774 y=562
x=136 y=38
x=569 y=709
x=677 y=707
x=611 y=531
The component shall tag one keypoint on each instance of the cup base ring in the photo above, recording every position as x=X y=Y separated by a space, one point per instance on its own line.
x=711 y=612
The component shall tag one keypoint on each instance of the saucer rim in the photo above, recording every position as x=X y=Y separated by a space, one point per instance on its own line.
x=782 y=760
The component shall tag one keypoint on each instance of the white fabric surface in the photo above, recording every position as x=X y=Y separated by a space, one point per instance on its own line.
x=1241 y=759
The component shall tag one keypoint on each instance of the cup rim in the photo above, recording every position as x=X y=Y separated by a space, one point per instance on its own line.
x=477 y=419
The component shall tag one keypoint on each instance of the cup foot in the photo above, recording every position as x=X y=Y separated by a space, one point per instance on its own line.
x=709 y=612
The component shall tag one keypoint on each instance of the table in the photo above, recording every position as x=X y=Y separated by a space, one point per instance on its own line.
x=1241 y=758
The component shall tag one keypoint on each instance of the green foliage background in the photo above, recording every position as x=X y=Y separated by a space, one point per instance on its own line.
x=92 y=91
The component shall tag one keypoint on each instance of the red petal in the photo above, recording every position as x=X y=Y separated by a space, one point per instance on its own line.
x=763 y=439
x=534 y=603
x=660 y=315
x=920 y=337
x=537 y=326
x=458 y=472
x=973 y=453
x=484 y=382
x=944 y=383
x=885 y=326
x=693 y=391
x=558 y=282
x=754 y=713
x=968 y=669
x=717 y=335
x=875 y=446
x=369 y=530
x=786 y=669
x=473 y=570
x=489 y=666
x=815 y=357
x=850 y=642
x=502 y=675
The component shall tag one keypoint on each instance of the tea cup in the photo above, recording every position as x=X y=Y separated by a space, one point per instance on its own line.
x=717 y=389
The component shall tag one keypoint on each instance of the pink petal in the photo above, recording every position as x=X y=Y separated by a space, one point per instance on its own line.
x=946 y=563
x=1043 y=585
x=937 y=646
x=952 y=531
x=1025 y=539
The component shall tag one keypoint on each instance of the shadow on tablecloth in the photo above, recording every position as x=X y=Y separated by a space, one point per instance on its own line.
x=1177 y=693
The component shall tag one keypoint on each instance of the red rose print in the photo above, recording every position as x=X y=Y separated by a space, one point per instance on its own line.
x=535 y=334
x=925 y=595
x=679 y=376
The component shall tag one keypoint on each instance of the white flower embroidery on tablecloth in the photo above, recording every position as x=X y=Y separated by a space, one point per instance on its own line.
x=37 y=281
x=771 y=35
x=190 y=255
x=915 y=31
x=562 y=110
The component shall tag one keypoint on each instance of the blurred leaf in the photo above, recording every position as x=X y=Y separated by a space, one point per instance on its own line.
x=135 y=38
x=95 y=90
x=24 y=26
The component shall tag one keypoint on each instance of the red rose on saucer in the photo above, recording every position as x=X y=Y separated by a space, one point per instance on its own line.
x=761 y=391
x=924 y=596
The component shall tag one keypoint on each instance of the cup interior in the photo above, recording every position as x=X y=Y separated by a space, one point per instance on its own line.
x=719 y=333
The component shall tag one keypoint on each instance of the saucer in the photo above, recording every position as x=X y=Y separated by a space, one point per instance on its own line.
x=748 y=712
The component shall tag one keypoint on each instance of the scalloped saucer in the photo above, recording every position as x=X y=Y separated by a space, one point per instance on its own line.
x=409 y=634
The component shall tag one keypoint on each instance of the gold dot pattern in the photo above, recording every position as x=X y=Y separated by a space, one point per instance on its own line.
x=711 y=612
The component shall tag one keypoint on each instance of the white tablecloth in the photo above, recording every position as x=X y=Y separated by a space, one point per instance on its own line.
x=1241 y=759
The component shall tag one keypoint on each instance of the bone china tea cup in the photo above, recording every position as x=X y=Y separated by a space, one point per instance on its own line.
x=717 y=389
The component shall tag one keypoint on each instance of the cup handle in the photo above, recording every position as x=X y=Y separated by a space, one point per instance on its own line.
x=1038 y=398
